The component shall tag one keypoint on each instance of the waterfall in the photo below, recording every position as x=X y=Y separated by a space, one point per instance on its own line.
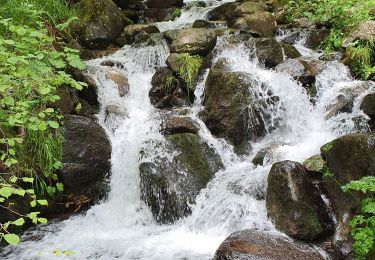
x=122 y=226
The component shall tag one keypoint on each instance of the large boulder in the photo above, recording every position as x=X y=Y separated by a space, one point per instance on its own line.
x=102 y=23
x=252 y=244
x=169 y=186
x=193 y=41
x=348 y=158
x=294 y=204
x=230 y=109
x=251 y=16
x=86 y=154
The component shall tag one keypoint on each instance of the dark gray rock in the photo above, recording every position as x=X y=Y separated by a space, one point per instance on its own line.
x=294 y=203
x=168 y=187
x=86 y=154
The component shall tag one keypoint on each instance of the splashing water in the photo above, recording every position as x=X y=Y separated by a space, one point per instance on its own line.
x=122 y=226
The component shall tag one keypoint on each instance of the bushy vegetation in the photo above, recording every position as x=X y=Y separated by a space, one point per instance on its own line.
x=363 y=225
x=31 y=71
x=188 y=67
x=342 y=16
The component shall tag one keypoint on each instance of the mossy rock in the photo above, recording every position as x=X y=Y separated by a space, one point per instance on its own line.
x=169 y=187
x=294 y=204
x=315 y=163
x=230 y=109
x=102 y=23
x=290 y=51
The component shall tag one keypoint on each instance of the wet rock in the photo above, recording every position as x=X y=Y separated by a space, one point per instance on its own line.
x=131 y=31
x=154 y=15
x=264 y=155
x=166 y=91
x=252 y=244
x=290 y=51
x=230 y=108
x=102 y=23
x=269 y=51
x=294 y=204
x=116 y=111
x=68 y=100
x=344 y=100
x=315 y=37
x=368 y=107
x=129 y=4
x=169 y=187
x=348 y=158
x=86 y=154
x=315 y=163
x=178 y=124
x=260 y=23
x=225 y=12
x=120 y=81
x=89 y=93
x=146 y=39
x=112 y=63
x=194 y=41
x=303 y=70
x=163 y=3
x=190 y=5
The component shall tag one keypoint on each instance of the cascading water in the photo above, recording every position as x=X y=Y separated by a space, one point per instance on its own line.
x=122 y=226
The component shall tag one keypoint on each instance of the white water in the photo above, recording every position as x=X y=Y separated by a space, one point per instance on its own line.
x=122 y=227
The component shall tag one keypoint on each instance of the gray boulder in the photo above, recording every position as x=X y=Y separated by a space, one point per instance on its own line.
x=86 y=154
x=169 y=187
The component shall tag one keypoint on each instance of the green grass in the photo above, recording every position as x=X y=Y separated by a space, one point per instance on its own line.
x=53 y=13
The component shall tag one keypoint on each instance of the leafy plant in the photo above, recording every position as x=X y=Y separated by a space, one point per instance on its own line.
x=188 y=67
x=363 y=225
x=30 y=141
x=176 y=13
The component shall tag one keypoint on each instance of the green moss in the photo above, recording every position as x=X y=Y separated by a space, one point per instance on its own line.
x=192 y=156
x=325 y=148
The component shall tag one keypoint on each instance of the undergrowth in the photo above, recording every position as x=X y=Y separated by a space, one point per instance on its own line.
x=30 y=140
x=342 y=16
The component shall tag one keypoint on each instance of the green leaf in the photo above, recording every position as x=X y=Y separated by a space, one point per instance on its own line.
x=12 y=152
x=19 y=222
x=20 y=192
x=12 y=239
x=42 y=126
x=42 y=220
x=45 y=91
x=42 y=202
x=6 y=192
x=60 y=187
x=53 y=124
x=49 y=110
x=76 y=63
x=13 y=179
x=33 y=203
x=28 y=179
x=21 y=31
